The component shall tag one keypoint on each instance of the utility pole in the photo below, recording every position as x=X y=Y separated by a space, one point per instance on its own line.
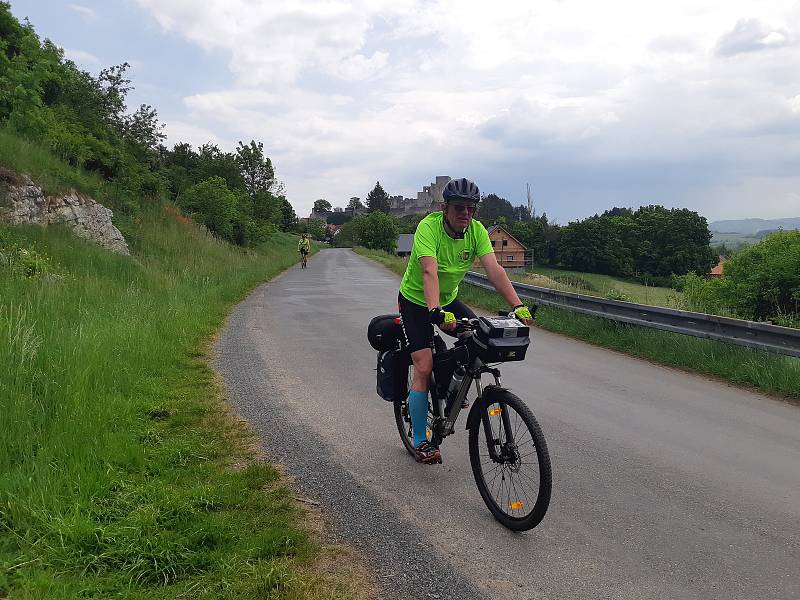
x=530 y=200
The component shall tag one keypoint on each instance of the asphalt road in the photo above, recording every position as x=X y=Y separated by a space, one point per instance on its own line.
x=665 y=485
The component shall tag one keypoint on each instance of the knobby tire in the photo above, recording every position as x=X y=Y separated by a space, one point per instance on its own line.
x=508 y=481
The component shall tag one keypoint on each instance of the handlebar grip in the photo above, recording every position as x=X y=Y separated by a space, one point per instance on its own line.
x=510 y=313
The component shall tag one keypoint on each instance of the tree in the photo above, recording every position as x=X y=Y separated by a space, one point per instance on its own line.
x=213 y=162
x=376 y=230
x=594 y=245
x=763 y=280
x=211 y=203
x=378 y=199
x=267 y=209
x=256 y=169
x=521 y=213
x=618 y=212
x=355 y=204
x=492 y=207
x=142 y=128
x=339 y=218
x=322 y=206
x=408 y=223
x=316 y=229
x=668 y=241
x=288 y=217
x=347 y=233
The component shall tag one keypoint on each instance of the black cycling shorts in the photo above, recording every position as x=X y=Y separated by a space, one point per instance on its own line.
x=417 y=321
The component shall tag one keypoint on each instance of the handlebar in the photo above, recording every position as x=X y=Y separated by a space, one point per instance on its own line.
x=464 y=326
x=505 y=313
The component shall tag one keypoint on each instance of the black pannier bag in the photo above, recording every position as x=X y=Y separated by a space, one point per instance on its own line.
x=444 y=363
x=501 y=339
x=387 y=361
x=384 y=332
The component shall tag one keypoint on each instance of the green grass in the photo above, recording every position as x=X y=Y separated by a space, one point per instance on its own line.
x=49 y=173
x=770 y=373
x=594 y=284
x=121 y=472
x=735 y=240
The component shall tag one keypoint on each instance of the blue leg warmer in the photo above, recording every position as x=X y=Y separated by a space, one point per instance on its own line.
x=418 y=407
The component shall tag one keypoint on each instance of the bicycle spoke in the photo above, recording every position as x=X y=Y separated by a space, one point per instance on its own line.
x=533 y=453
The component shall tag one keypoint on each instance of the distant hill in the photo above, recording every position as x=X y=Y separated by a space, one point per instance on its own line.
x=753 y=226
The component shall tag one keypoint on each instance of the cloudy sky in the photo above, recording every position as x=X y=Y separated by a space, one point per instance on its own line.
x=688 y=103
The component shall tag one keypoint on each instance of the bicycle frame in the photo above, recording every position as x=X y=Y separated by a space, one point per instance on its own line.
x=445 y=417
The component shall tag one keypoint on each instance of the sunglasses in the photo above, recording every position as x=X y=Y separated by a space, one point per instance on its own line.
x=468 y=208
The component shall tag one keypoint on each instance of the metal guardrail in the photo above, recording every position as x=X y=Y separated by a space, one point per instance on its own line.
x=763 y=336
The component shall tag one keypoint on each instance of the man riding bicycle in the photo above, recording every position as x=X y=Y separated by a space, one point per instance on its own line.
x=304 y=246
x=446 y=243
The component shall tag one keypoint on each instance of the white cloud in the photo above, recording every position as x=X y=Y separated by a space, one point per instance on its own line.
x=84 y=11
x=82 y=58
x=273 y=43
x=179 y=131
x=343 y=93
x=751 y=35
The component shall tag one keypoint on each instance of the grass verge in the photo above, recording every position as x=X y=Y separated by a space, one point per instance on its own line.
x=766 y=372
x=121 y=472
x=606 y=286
x=50 y=173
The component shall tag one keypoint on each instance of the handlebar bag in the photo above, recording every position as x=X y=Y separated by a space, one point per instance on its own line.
x=501 y=339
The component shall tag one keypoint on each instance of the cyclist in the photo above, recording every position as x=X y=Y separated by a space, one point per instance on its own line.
x=304 y=247
x=446 y=243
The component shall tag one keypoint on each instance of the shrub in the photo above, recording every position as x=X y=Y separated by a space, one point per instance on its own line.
x=211 y=203
x=763 y=280
x=376 y=231
x=614 y=294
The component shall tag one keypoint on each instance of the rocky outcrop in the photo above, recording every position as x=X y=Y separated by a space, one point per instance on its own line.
x=22 y=201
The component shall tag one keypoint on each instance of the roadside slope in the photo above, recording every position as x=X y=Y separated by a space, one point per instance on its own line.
x=121 y=471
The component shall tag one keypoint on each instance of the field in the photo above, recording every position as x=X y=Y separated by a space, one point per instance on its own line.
x=736 y=240
x=605 y=286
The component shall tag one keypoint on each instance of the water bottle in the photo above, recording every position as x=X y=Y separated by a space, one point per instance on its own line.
x=455 y=385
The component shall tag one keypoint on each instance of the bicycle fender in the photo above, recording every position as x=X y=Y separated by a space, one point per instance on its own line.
x=485 y=400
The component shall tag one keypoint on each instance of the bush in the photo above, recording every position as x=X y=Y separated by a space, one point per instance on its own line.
x=376 y=231
x=763 y=281
x=211 y=203
x=615 y=294
x=759 y=282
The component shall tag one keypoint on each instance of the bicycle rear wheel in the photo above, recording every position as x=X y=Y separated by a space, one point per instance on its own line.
x=517 y=482
x=402 y=416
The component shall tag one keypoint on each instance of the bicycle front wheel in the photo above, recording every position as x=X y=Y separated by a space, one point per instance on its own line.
x=514 y=478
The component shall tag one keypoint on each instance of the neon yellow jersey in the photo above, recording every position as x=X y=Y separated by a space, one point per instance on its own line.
x=455 y=257
x=303 y=244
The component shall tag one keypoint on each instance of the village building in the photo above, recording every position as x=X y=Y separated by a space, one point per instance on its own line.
x=510 y=252
x=404 y=243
